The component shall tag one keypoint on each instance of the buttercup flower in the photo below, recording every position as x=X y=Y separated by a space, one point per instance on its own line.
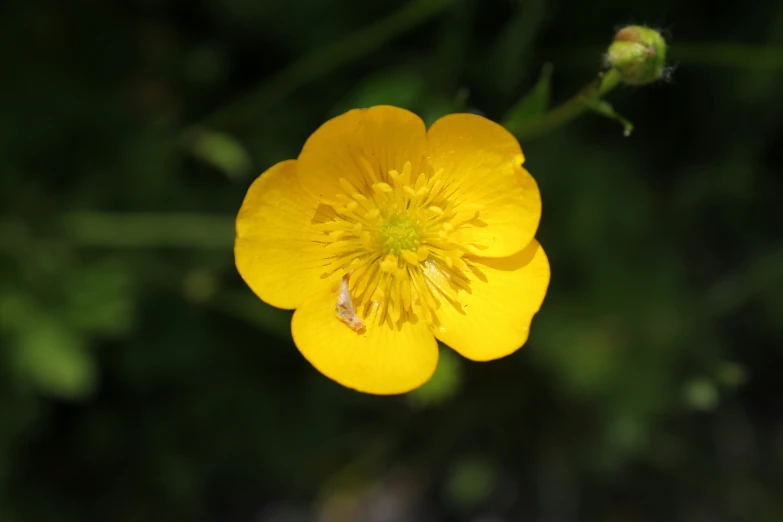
x=422 y=234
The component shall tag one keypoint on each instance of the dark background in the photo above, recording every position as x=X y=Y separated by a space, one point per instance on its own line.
x=140 y=380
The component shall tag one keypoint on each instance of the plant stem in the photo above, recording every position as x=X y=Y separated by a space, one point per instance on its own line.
x=568 y=110
x=146 y=230
x=729 y=55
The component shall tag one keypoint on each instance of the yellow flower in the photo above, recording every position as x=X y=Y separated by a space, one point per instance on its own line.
x=435 y=227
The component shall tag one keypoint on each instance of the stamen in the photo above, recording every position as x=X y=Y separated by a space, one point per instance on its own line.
x=347 y=187
x=389 y=264
x=382 y=188
x=401 y=241
x=410 y=257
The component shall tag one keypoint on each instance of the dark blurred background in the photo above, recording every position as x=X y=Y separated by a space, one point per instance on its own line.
x=140 y=380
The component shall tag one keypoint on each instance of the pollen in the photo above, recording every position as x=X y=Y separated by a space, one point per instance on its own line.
x=398 y=234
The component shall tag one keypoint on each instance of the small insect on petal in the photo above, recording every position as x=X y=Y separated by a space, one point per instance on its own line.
x=345 y=308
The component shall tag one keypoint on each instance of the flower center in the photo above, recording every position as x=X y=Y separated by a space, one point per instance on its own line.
x=400 y=237
x=399 y=232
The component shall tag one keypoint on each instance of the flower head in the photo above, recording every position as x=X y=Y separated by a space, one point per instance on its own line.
x=639 y=54
x=385 y=236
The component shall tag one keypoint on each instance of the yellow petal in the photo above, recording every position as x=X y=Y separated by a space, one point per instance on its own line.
x=496 y=315
x=277 y=251
x=378 y=360
x=483 y=161
x=361 y=146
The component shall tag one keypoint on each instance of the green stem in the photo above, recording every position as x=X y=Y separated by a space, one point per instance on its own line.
x=729 y=55
x=333 y=56
x=568 y=110
x=144 y=230
x=128 y=230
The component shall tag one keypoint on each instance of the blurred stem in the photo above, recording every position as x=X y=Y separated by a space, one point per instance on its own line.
x=127 y=230
x=337 y=54
x=585 y=99
x=140 y=230
x=729 y=55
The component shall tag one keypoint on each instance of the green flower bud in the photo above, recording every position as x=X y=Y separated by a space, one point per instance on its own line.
x=639 y=54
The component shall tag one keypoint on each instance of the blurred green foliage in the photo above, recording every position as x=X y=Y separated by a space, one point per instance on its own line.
x=141 y=380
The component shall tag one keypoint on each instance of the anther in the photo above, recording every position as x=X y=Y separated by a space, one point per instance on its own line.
x=382 y=188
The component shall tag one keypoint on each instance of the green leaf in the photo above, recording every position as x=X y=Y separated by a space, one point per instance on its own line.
x=398 y=88
x=535 y=102
x=99 y=298
x=435 y=107
x=605 y=109
x=54 y=359
x=18 y=311
x=222 y=151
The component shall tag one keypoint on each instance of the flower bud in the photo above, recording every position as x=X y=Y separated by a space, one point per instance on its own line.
x=639 y=54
